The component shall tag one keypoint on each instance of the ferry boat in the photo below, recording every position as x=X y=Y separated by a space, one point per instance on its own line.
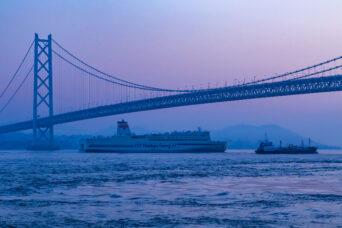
x=267 y=147
x=126 y=142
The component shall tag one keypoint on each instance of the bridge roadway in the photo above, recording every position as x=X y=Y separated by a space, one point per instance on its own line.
x=231 y=93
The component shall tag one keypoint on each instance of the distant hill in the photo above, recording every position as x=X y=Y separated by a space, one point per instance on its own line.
x=249 y=136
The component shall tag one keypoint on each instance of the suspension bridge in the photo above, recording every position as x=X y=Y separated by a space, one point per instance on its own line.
x=59 y=78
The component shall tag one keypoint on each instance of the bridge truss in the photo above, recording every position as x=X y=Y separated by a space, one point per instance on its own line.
x=234 y=93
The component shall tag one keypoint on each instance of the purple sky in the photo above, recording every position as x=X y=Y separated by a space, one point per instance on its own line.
x=183 y=43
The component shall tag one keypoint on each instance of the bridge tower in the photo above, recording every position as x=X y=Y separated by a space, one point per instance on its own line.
x=42 y=94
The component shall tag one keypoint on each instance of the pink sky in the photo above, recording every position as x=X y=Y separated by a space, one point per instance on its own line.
x=183 y=43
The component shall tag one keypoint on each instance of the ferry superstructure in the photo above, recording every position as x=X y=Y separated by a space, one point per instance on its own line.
x=126 y=142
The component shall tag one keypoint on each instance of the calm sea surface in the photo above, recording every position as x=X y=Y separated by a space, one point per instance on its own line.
x=232 y=189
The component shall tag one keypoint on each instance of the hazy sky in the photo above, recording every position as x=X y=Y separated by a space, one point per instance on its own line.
x=174 y=44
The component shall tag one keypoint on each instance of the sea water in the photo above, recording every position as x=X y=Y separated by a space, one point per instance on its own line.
x=232 y=189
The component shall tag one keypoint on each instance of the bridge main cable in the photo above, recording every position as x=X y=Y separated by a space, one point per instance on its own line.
x=143 y=87
x=17 y=90
x=16 y=72
x=115 y=82
x=128 y=83
x=298 y=71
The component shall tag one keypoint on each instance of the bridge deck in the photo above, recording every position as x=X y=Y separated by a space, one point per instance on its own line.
x=243 y=92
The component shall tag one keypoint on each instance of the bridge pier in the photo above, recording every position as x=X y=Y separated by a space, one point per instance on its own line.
x=43 y=136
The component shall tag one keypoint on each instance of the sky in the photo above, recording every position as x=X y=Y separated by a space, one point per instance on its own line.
x=178 y=44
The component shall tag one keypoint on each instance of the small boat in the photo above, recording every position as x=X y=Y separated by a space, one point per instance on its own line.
x=267 y=147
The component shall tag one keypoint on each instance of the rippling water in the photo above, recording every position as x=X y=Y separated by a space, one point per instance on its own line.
x=233 y=189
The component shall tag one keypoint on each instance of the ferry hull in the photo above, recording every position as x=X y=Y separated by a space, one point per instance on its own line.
x=217 y=147
x=205 y=149
x=287 y=151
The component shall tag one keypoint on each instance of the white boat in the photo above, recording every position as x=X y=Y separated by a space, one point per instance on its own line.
x=126 y=142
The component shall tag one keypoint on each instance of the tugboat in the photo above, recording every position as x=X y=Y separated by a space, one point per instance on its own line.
x=267 y=147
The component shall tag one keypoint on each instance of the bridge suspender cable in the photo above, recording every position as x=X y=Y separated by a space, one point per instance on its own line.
x=16 y=72
x=297 y=71
x=114 y=82
x=133 y=85
x=250 y=83
x=143 y=87
x=318 y=72
x=300 y=77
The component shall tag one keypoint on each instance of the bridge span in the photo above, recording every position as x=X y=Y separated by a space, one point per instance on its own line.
x=230 y=93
